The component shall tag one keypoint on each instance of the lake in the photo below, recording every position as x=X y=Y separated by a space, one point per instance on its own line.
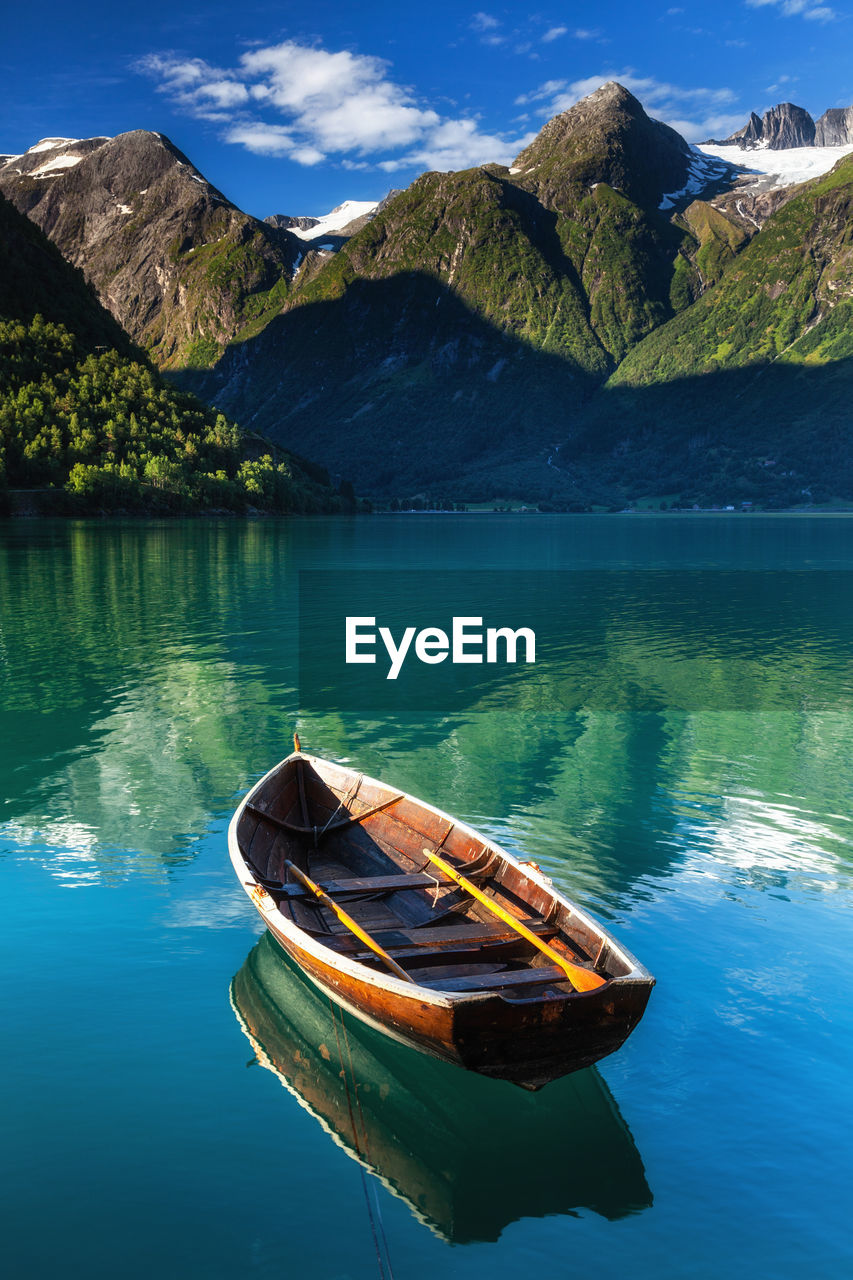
x=179 y=1102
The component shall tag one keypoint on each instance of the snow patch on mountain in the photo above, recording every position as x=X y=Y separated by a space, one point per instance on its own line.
x=55 y=165
x=702 y=170
x=50 y=144
x=334 y=222
x=768 y=169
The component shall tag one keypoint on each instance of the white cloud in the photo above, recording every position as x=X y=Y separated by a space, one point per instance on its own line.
x=710 y=126
x=783 y=80
x=318 y=103
x=178 y=73
x=483 y=22
x=345 y=101
x=697 y=113
x=272 y=140
x=225 y=93
x=554 y=33
x=486 y=27
x=457 y=144
x=797 y=8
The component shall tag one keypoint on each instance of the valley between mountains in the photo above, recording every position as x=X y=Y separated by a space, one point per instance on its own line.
x=616 y=317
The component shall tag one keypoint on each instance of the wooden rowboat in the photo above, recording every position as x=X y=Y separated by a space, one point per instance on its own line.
x=429 y=931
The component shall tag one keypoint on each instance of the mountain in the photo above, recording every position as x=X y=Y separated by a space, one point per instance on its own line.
x=286 y=223
x=606 y=137
x=540 y=331
x=35 y=279
x=180 y=267
x=781 y=289
x=835 y=127
x=780 y=127
x=746 y=394
x=343 y=221
x=787 y=125
x=478 y=310
x=87 y=422
x=323 y=236
x=616 y=314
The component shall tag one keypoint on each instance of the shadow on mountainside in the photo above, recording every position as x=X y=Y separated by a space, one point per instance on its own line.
x=402 y=387
x=778 y=433
x=398 y=385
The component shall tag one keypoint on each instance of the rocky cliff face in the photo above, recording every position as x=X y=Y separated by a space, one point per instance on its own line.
x=284 y=222
x=835 y=127
x=787 y=125
x=178 y=265
x=35 y=280
x=747 y=136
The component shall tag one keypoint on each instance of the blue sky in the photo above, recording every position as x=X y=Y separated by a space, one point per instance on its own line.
x=293 y=108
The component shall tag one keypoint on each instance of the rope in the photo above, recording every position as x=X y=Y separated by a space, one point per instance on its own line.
x=350 y=795
x=374 y=1188
x=377 y=1226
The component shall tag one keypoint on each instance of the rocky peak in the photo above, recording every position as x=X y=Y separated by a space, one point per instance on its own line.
x=748 y=135
x=286 y=223
x=835 y=127
x=783 y=126
x=49 y=157
x=606 y=137
x=178 y=265
x=787 y=125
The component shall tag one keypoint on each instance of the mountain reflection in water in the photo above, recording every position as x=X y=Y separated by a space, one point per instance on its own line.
x=468 y=1155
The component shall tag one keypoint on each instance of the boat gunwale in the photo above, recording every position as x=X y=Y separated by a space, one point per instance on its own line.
x=278 y=923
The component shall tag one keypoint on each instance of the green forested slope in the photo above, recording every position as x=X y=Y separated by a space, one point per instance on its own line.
x=785 y=283
x=746 y=395
x=467 y=325
x=84 y=413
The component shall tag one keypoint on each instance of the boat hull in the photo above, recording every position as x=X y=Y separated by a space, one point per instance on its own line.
x=509 y=1034
x=529 y=1042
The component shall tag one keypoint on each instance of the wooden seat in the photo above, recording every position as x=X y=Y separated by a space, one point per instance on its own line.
x=444 y=940
x=494 y=981
x=363 y=884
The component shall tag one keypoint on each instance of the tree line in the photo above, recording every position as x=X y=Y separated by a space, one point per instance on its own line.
x=106 y=431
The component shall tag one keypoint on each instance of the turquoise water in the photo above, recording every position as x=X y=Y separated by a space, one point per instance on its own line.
x=148 y=674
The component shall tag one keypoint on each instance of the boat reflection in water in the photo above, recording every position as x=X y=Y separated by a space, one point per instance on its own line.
x=469 y=1155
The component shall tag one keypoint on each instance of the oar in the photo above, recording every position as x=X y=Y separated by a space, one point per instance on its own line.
x=581 y=979
x=348 y=921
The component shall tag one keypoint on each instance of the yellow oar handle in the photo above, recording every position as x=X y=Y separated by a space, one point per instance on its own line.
x=581 y=979
x=347 y=920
